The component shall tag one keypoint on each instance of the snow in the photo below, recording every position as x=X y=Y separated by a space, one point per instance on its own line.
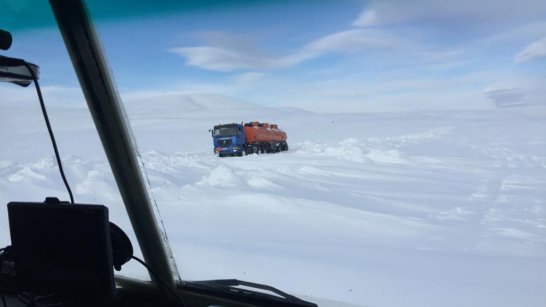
x=380 y=209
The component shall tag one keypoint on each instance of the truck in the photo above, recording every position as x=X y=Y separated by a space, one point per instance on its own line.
x=249 y=138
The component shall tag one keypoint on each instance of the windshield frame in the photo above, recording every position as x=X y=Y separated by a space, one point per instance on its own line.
x=103 y=100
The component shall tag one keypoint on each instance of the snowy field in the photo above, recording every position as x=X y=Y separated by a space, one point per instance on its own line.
x=386 y=209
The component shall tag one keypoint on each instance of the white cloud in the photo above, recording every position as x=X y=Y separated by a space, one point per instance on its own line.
x=517 y=33
x=354 y=41
x=504 y=96
x=536 y=50
x=228 y=57
x=224 y=59
x=366 y=18
x=248 y=77
x=461 y=12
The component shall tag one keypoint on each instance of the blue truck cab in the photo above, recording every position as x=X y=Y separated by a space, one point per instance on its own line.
x=229 y=140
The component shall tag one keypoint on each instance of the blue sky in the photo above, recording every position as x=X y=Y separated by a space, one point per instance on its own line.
x=325 y=56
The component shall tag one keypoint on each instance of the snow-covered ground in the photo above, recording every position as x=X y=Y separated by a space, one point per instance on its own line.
x=385 y=209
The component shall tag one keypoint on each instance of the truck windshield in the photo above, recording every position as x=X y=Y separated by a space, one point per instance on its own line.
x=416 y=173
x=225 y=130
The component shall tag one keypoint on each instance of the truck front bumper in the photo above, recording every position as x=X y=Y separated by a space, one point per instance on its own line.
x=229 y=151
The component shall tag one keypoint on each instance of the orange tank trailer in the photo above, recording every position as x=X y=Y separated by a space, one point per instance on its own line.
x=263 y=132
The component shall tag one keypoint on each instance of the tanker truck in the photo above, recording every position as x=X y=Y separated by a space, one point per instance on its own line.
x=249 y=138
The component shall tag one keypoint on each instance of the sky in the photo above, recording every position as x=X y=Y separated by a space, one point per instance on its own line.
x=324 y=56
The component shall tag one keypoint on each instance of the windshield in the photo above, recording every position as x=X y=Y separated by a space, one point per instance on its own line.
x=412 y=171
x=225 y=130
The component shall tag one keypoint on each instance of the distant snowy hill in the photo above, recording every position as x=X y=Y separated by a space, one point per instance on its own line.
x=185 y=119
x=384 y=209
